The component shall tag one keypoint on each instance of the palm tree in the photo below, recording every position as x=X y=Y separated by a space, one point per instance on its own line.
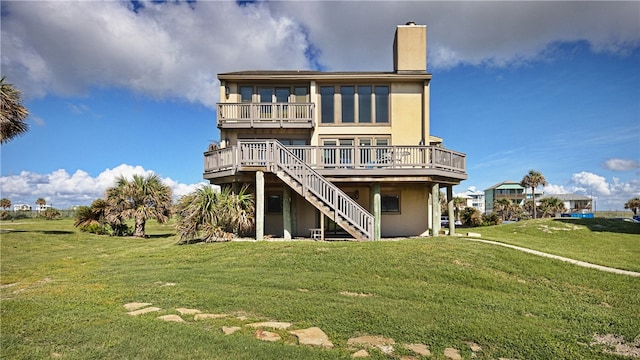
x=12 y=112
x=503 y=207
x=532 y=180
x=140 y=199
x=633 y=205
x=91 y=215
x=459 y=204
x=209 y=215
x=551 y=206
x=5 y=203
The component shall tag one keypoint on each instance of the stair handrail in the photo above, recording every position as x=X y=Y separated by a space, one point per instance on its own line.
x=278 y=157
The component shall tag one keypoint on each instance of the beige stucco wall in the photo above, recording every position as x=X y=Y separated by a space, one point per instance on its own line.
x=406 y=113
x=412 y=219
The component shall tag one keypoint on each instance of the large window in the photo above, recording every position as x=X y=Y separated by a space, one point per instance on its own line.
x=382 y=104
x=362 y=104
x=348 y=103
x=326 y=104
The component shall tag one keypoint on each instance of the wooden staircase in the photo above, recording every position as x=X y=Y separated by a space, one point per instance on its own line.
x=321 y=193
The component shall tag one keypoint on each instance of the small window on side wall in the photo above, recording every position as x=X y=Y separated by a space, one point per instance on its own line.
x=390 y=203
x=274 y=203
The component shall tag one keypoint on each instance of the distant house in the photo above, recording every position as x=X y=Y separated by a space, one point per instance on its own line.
x=42 y=207
x=511 y=190
x=574 y=203
x=21 y=207
x=474 y=198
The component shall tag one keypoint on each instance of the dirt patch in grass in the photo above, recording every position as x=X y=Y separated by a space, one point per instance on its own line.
x=616 y=345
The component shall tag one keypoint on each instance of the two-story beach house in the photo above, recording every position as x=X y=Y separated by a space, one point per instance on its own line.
x=343 y=154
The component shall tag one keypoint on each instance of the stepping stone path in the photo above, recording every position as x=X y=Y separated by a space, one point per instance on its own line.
x=175 y=318
x=313 y=336
x=209 y=316
x=266 y=335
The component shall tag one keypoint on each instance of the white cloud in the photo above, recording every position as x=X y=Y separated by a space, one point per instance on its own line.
x=164 y=50
x=621 y=164
x=175 y=49
x=592 y=182
x=63 y=190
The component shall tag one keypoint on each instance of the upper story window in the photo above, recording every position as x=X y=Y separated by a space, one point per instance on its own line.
x=279 y=94
x=246 y=94
x=326 y=104
x=301 y=94
x=348 y=94
x=382 y=104
x=362 y=104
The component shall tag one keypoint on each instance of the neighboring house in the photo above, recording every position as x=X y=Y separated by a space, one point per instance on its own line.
x=21 y=207
x=574 y=203
x=337 y=153
x=474 y=198
x=42 y=207
x=511 y=190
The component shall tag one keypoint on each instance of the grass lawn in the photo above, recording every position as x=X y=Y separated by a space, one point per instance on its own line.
x=63 y=292
x=608 y=242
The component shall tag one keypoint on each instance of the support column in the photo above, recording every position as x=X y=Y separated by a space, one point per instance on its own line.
x=294 y=211
x=321 y=225
x=259 y=205
x=286 y=213
x=435 y=206
x=377 y=212
x=451 y=213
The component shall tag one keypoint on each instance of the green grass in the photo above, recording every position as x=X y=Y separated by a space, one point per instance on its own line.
x=608 y=242
x=67 y=291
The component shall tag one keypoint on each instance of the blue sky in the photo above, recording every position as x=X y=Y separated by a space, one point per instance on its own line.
x=115 y=89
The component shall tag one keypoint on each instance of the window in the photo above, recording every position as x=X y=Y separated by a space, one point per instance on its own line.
x=301 y=94
x=364 y=104
x=348 y=104
x=382 y=104
x=326 y=104
x=266 y=95
x=274 y=203
x=390 y=203
x=246 y=93
x=282 y=95
x=246 y=96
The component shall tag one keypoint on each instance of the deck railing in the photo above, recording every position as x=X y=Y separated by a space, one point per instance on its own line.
x=265 y=115
x=360 y=157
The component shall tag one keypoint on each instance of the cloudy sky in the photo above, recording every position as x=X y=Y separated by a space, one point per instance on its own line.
x=117 y=88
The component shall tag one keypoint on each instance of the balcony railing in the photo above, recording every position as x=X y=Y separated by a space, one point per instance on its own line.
x=265 y=115
x=361 y=158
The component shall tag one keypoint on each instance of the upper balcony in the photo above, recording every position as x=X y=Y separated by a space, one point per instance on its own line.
x=266 y=115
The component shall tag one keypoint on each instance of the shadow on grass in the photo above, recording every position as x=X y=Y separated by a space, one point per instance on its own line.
x=46 y=232
x=161 y=236
x=605 y=225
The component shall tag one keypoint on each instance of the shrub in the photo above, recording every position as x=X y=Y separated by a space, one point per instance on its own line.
x=5 y=215
x=471 y=217
x=94 y=229
x=491 y=219
x=51 y=214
